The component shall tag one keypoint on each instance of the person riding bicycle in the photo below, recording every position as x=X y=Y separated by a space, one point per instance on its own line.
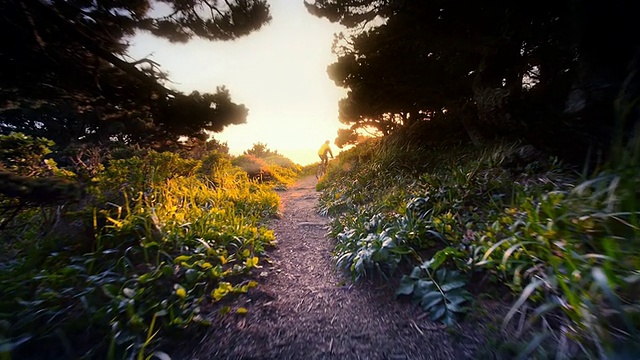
x=322 y=153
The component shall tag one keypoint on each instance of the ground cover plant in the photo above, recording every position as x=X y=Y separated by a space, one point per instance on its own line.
x=503 y=221
x=156 y=242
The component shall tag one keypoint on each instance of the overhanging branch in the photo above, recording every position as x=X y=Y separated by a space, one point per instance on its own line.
x=76 y=31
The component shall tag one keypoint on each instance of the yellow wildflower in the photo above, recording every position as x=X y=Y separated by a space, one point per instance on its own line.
x=181 y=292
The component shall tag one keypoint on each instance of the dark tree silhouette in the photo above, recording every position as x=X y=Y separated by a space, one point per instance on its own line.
x=549 y=73
x=65 y=68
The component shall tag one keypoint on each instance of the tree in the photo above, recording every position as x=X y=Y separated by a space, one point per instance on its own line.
x=396 y=77
x=66 y=68
x=429 y=58
x=260 y=150
x=499 y=67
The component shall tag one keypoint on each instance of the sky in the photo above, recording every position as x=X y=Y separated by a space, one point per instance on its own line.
x=278 y=73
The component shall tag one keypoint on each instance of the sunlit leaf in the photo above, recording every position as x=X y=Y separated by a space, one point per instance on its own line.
x=181 y=292
x=181 y=258
x=252 y=262
x=242 y=311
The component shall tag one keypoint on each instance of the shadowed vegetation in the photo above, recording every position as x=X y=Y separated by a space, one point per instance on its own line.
x=156 y=243
x=504 y=221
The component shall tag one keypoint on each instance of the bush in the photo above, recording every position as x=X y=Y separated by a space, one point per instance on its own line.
x=162 y=237
x=518 y=225
x=273 y=168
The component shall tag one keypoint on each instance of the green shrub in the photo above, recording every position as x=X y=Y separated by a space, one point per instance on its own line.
x=164 y=237
x=517 y=224
x=272 y=168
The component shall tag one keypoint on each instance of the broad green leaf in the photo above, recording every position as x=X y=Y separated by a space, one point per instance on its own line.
x=438 y=259
x=438 y=312
x=449 y=319
x=453 y=285
x=415 y=273
x=454 y=307
x=406 y=286
x=422 y=287
x=191 y=275
x=431 y=299
x=456 y=299
x=441 y=256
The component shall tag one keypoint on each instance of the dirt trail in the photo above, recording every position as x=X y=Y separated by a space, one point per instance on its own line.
x=304 y=310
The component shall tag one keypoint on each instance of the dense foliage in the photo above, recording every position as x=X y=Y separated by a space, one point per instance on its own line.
x=67 y=76
x=156 y=243
x=548 y=73
x=451 y=220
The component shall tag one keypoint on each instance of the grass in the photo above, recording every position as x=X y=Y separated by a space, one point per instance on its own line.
x=156 y=244
x=562 y=244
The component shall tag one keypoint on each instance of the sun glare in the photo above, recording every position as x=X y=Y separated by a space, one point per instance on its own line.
x=279 y=73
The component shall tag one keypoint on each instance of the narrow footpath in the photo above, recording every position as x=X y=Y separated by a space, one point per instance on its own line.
x=304 y=309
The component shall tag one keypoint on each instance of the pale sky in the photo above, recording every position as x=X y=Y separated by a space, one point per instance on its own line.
x=279 y=73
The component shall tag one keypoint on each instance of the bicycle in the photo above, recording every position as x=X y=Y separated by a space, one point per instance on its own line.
x=321 y=170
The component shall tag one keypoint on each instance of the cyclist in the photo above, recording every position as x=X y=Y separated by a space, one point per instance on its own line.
x=322 y=153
